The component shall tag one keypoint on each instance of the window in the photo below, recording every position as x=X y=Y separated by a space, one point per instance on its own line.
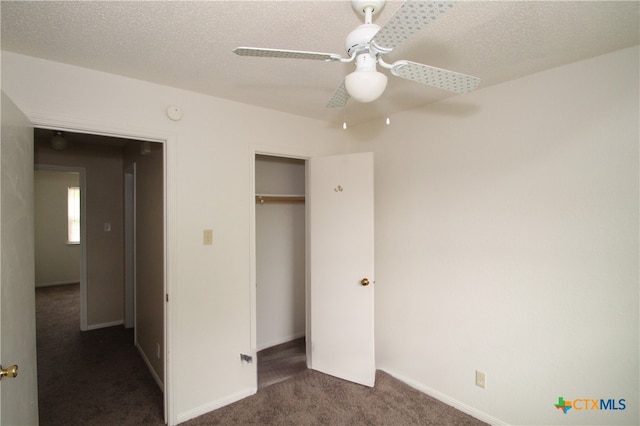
x=73 y=215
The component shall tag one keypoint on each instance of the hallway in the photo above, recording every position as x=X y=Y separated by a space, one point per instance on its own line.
x=94 y=377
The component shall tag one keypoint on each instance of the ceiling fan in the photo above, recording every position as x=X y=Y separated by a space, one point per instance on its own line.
x=368 y=43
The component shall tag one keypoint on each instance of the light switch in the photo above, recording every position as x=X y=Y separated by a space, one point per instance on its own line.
x=107 y=227
x=207 y=237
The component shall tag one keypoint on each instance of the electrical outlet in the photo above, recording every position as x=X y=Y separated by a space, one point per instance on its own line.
x=207 y=237
x=481 y=379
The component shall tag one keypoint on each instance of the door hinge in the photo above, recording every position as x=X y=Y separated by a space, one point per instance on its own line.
x=167 y=296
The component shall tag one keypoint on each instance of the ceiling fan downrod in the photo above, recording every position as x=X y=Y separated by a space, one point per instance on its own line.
x=358 y=41
x=368 y=8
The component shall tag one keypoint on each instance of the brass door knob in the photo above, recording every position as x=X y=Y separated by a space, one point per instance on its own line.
x=10 y=372
x=365 y=282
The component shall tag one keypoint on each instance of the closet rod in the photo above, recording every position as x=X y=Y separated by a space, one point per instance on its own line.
x=261 y=199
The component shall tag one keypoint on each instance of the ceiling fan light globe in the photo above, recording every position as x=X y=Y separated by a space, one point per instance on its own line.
x=365 y=86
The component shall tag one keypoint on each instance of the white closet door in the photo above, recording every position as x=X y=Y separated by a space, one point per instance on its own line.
x=340 y=208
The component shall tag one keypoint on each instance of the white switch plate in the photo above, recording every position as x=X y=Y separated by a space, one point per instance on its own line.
x=481 y=379
x=107 y=227
x=207 y=237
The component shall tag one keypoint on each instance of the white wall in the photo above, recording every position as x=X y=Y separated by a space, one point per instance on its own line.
x=507 y=241
x=149 y=253
x=506 y=231
x=280 y=252
x=57 y=262
x=208 y=161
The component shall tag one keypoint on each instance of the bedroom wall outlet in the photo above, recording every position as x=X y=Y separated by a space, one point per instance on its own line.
x=481 y=379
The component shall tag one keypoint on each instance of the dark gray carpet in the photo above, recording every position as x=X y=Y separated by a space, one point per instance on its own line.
x=98 y=378
x=313 y=398
x=89 y=378
x=281 y=362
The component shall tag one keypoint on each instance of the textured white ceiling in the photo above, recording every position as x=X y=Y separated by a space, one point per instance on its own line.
x=189 y=44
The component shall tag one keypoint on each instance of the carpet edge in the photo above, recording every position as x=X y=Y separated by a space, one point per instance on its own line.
x=214 y=405
x=446 y=399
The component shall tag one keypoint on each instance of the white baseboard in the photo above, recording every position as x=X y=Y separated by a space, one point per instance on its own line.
x=214 y=405
x=104 y=325
x=53 y=283
x=150 y=367
x=278 y=341
x=448 y=400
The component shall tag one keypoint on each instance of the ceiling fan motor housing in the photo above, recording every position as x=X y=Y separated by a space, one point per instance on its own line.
x=360 y=37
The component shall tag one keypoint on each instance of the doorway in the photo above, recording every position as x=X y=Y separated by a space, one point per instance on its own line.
x=280 y=229
x=130 y=245
x=58 y=229
x=106 y=161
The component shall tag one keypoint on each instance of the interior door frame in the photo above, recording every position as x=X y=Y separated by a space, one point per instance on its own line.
x=170 y=194
x=130 y=249
x=82 y=181
x=283 y=153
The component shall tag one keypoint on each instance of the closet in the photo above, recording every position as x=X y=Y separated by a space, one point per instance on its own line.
x=280 y=250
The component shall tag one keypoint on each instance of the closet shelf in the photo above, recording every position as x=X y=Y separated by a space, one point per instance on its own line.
x=274 y=198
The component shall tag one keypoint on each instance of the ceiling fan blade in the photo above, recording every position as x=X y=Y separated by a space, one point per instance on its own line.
x=412 y=16
x=290 y=54
x=436 y=77
x=339 y=98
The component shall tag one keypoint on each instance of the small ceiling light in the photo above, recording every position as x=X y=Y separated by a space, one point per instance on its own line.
x=145 y=148
x=58 y=142
x=388 y=121
x=344 y=125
